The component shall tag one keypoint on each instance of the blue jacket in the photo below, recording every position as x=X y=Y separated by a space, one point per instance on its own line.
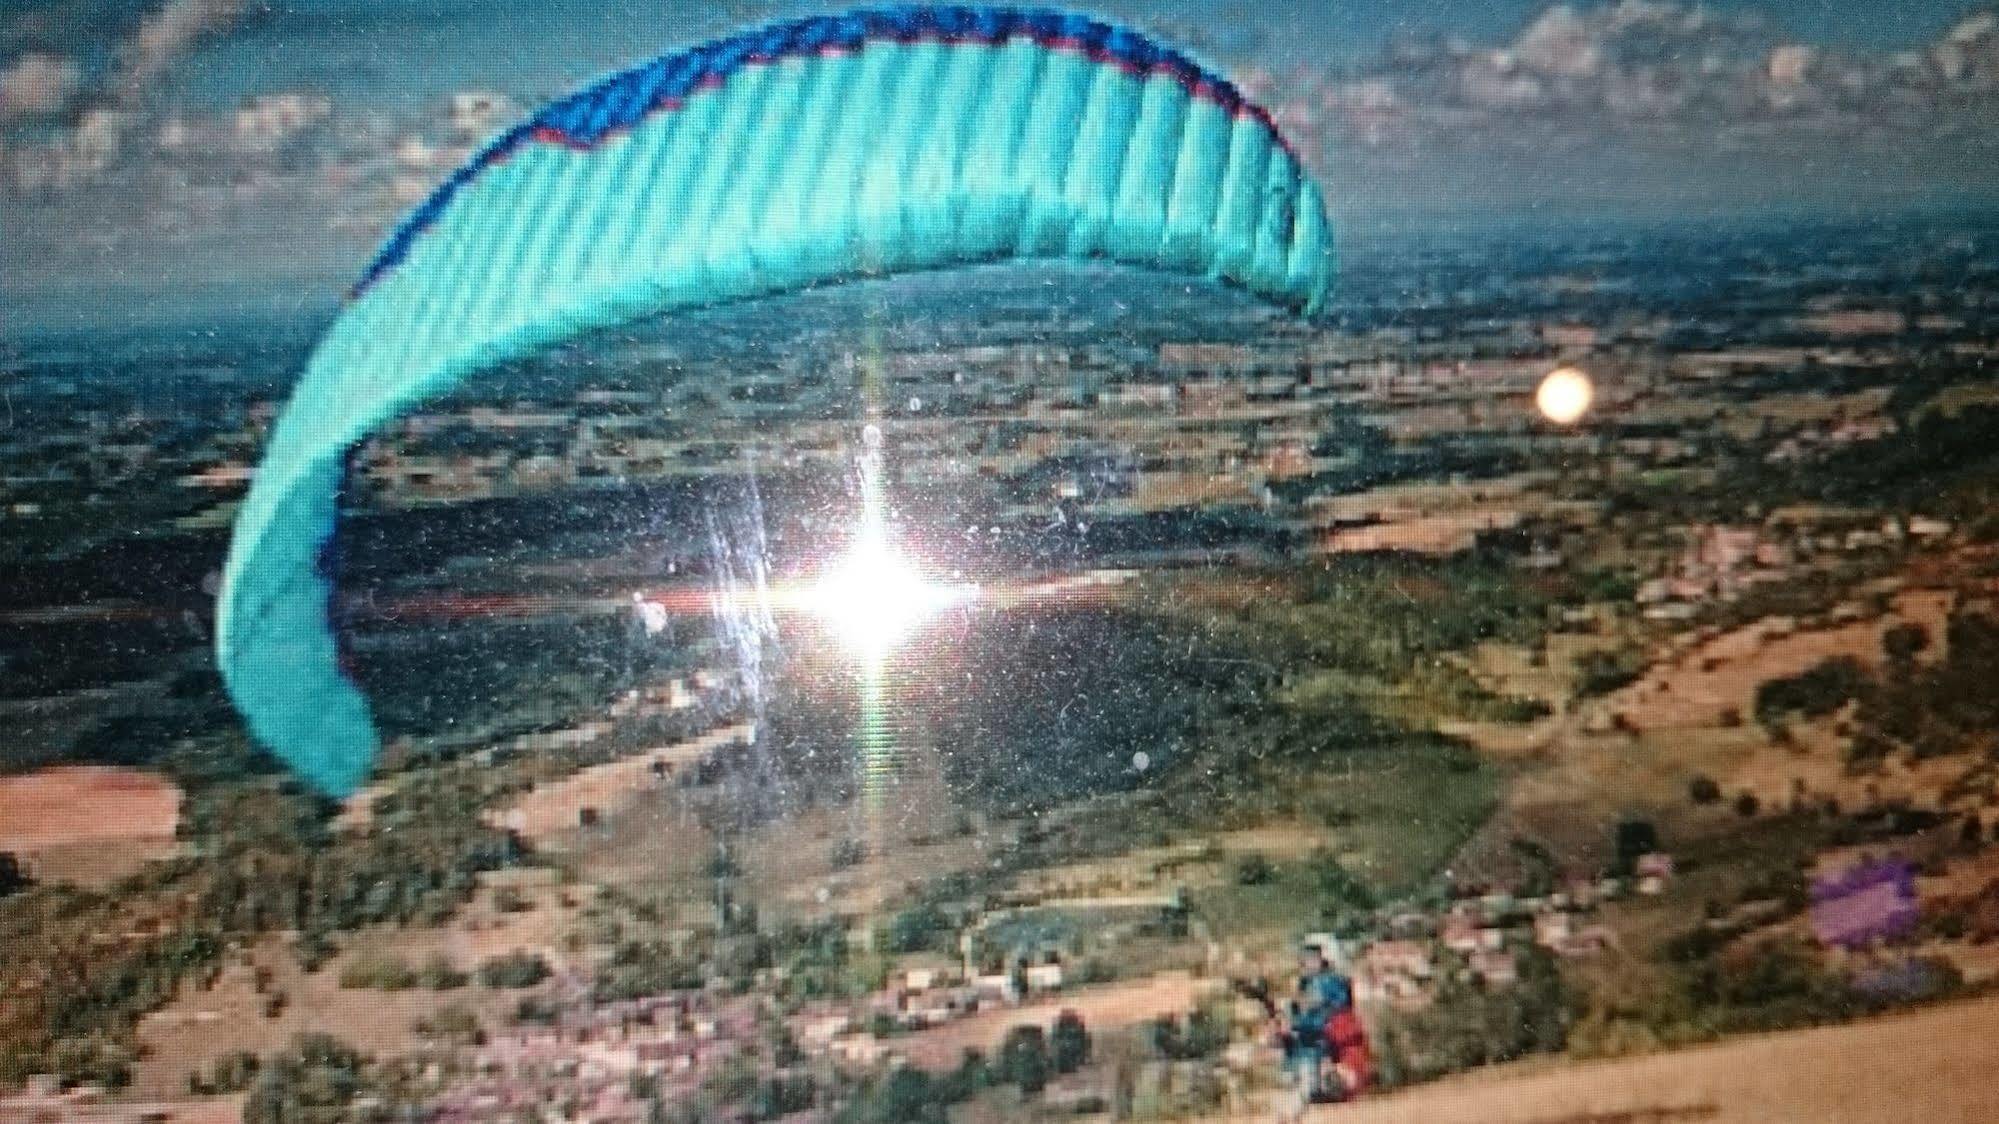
x=1320 y=997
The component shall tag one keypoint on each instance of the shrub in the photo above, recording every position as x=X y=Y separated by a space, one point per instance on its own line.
x=438 y=974
x=1600 y=672
x=13 y=877
x=916 y=928
x=514 y=970
x=382 y=973
x=1254 y=869
x=91 y=1058
x=1069 y=1043
x=454 y=1023
x=848 y=853
x=1024 y=1059
x=313 y=950
x=1812 y=693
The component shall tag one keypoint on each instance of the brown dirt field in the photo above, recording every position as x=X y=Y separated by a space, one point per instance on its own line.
x=88 y=823
x=1131 y=872
x=657 y=846
x=1102 y=1008
x=551 y=810
x=1933 y=1065
x=199 y=1026
x=1576 y=782
x=1430 y=534
x=1818 y=760
x=1722 y=674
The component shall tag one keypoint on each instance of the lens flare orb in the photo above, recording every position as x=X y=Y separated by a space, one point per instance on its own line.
x=1565 y=396
x=873 y=598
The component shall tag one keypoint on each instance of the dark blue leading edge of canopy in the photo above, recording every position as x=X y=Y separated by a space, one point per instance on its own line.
x=585 y=118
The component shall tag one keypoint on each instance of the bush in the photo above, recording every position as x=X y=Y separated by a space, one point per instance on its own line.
x=1024 y=1059
x=848 y=853
x=1703 y=789
x=1599 y=672
x=1343 y=892
x=382 y=973
x=1204 y=1034
x=438 y=974
x=318 y=1079
x=781 y=1096
x=916 y=928
x=92 y=1058
x=1254 y=869
x=1069 y=1043
x=313 y=950
x=13 y=878
x=1633 y=838
x=514 y=970
x=1904 y=642
x=1746 y=805
x=1813 y=693
x=454 y=1023
x=534 y=1011
x=231 y=1073
x=904 y=1095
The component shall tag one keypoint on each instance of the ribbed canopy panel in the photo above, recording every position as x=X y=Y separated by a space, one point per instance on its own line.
x=801 y=154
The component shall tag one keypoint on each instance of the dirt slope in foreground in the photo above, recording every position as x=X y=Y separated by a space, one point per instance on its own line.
x=1938 y=1066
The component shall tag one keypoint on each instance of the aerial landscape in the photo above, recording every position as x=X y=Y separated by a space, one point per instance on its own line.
x=959 y=694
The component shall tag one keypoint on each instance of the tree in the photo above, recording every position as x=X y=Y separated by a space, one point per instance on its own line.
x=316 y=1080
x=314 y=949
x=1634 y=838
x=1746 y=805
x=972 y=1075
x=92 y=1058
x=13 y=879
x=1813 y=693
x=1599 y=672
x=1703 y=789
x=438 y=974
x=514 y=970
x=1024 y=1059
x=905 y=1095
x=782 y=1095
x=848 y=853
x=916 y=928
x=387 y=973
x=454 y=1022
x=1254 y=869
x=1069 y=1043
x=1903 y=643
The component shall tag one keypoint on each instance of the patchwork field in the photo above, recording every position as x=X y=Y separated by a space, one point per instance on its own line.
x=199 y=1026
x=1104 y=1008
x=89 y=824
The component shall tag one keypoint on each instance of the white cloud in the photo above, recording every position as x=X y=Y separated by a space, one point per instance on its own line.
x=1668 y=68
x=71 y=157
x=169 y=33
x=1560 y=43
x=474 y=114
x=37 y=83
x=267 y=122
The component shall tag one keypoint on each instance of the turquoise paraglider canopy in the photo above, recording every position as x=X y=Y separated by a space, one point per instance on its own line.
x=803 y=153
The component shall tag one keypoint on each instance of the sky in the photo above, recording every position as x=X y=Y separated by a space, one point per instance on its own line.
x=175 y=152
